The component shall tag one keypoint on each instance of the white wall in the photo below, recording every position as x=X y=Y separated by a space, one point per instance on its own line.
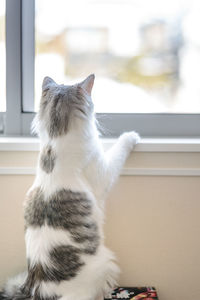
x=152 y=222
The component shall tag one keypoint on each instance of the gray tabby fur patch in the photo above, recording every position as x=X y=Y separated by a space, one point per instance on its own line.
x=64 y=210
x=47 y=159
x=65 y=263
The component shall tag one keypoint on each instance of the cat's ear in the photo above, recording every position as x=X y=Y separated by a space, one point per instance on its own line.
x=88 y=83
x=47 y=83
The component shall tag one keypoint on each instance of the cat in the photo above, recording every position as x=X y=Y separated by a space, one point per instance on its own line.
x=64 y=208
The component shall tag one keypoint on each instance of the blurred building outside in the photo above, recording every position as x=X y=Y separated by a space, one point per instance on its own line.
x=146 y=55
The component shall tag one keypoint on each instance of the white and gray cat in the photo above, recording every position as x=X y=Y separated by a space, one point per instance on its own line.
x=64 y=209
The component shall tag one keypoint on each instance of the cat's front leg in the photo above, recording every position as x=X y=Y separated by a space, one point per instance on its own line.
x=117 y=155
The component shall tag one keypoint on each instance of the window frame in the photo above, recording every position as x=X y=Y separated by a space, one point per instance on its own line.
x=20 y=51
x=20 y=55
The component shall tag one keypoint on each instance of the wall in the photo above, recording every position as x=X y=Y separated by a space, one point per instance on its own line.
x=152 y=222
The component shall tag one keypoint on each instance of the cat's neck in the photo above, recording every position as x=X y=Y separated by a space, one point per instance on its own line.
x=74 y=149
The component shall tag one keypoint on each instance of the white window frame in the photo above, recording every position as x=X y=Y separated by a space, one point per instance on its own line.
x=20 y=55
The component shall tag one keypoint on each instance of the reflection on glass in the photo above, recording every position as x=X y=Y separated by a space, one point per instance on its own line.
x=2 y=57
x=145 y=54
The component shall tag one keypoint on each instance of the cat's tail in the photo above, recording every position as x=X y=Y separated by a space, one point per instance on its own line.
x=12 y=289
x=4 y=297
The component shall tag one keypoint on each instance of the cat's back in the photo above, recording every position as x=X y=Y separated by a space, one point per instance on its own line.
x=70 y=212
x=62 y=234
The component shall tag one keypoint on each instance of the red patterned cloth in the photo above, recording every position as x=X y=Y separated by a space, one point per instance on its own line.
x=133 y=293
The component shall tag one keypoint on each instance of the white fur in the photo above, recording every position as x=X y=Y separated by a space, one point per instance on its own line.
x=40 y=241
x=81 y=165
x=99 y=272
x=12 y=286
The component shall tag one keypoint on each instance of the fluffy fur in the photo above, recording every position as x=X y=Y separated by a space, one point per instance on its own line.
x=64 y=209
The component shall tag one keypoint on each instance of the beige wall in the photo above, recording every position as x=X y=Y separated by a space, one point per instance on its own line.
x=152 y=224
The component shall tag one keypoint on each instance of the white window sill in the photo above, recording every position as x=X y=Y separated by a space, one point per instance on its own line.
x=145 y=145
x=177 y=157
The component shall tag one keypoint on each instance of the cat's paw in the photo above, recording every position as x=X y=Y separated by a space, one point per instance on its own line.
x=130 y=138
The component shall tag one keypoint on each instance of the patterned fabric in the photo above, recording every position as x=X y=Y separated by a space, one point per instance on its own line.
x=133 y=293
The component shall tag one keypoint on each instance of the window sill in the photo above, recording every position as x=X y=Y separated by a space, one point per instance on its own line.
x=145 y=145
x=153 y=157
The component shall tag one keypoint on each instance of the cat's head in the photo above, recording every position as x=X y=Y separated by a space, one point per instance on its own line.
x=64 y=106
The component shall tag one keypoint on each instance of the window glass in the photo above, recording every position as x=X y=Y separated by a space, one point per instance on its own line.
x=2 y=57
x=145 y=54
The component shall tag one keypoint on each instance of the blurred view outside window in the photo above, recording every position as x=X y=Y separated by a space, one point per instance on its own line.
x=2 y=57
x=145 y=53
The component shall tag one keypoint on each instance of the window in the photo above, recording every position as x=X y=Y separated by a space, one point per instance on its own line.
x=144 y=53
x=2 y=65
x=2 y=57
